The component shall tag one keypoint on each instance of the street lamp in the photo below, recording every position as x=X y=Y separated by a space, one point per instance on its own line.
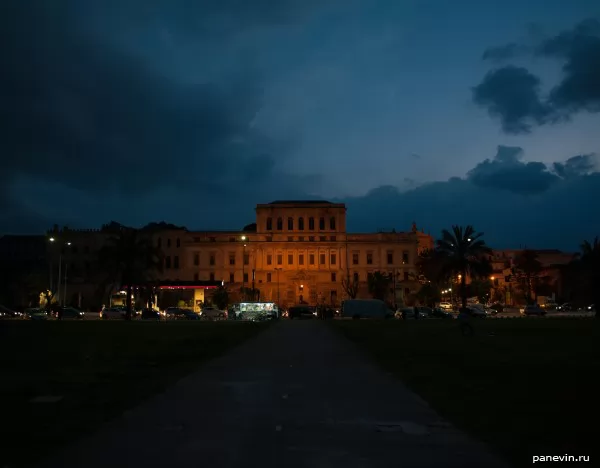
x=243 y=265
x=68 y=244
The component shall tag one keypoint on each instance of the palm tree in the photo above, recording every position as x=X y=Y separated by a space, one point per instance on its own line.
x=527 y=271
x=130 y=259
x=590 y=268
x=464 y=253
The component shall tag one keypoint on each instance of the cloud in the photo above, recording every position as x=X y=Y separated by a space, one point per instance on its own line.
x=497 y=199
x=512 y=93
x=507 y=172
x=82 y=115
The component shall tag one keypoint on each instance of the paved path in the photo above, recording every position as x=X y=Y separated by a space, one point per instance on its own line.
x=296 y=396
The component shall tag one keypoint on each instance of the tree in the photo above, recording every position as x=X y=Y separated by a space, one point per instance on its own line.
x=379 y=285
x=221 y=298
x=429 y=294
x=527 y=270
x=480 y=288
x=130 y=259
x=430 y=267
x=589 y=263
x=252 y=294
x=350 y=285
x=464 y=253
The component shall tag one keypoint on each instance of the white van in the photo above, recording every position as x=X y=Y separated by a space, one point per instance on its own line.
x=366 y=308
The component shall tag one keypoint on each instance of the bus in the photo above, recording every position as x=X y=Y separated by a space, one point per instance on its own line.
x=254 y=311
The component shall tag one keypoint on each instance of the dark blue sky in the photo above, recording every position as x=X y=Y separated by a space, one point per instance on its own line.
x=481 y=112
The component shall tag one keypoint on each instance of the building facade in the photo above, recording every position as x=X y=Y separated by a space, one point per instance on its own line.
x=297 y=251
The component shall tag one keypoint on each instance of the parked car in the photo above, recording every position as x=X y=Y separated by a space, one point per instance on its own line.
x=301 y=311
x=533 y=309
x=35 y=313
x=72 y=313
x=446 y=305
x=112 y=313
x=497 y=307
x=366 y=308
x=591 y=308
x=566 y=307
x=211 y=313
x=408 y=313
x=150 y=314
x=7 y=313
x=476 y=312
x=439 y=313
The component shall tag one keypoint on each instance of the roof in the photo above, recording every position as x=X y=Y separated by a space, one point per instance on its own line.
x=300 y=202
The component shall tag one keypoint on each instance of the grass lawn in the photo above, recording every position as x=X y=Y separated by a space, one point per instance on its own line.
x=98 y=368
x=531 y=388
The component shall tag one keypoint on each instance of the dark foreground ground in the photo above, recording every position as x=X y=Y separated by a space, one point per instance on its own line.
x=297 y=395
x=86 y=373
x=527 y=386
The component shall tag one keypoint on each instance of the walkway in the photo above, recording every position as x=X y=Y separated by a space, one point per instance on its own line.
x=296 y=396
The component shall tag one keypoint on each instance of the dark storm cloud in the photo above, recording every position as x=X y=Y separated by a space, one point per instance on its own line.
x=512 y=94
x=504 y=52
x=508 y=213
x=83 y=113
x=507 y=172
x=576 y=166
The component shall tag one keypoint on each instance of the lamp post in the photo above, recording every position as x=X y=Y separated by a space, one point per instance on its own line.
x=59 y=279
x=243 y=266
x=278 y=270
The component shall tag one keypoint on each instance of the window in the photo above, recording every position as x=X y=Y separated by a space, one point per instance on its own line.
x=301 y=224
x=311 y=238
x=333 y=277
x=369 y=258
x=195 y=276
x=333 y=259
x=355 y=259
x=322 y=238
x=311 y=224
x=212 y=239
x=290 y=239
x=355 y=277
x=279 y=224
x=290 y=224
x=300 y=259
x=268 y=277
x=311 y=259
x=176 y=261
x=301 y=238
x=245 y=277
x=269 y=224
x=212 y=276
x=159 y=242
x=269 y=259
x=269 y=239
x=168 y=242
x=405 y=256
x=290 y=259
x=279 y=259
x=246 y=258
x=232 y=258
x=332 y=223
x=196 y=259
x=390 y=258
x=211 y=260
x=321 y=224
x=406 y=276
x=322 y=259
x=232 y=277
x=369 y=276
x=178 y=241
x=167 y=262
x=333 y=238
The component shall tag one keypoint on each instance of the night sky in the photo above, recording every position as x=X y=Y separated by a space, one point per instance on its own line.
x=189 y=111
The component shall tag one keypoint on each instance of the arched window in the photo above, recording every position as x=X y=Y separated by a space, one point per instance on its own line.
x=355 y=277
x=279 y=224
x=332 y=223
x=321 y=224
x=311 y=224
x=301 y=224
x=290 y=224
x=269 y=224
